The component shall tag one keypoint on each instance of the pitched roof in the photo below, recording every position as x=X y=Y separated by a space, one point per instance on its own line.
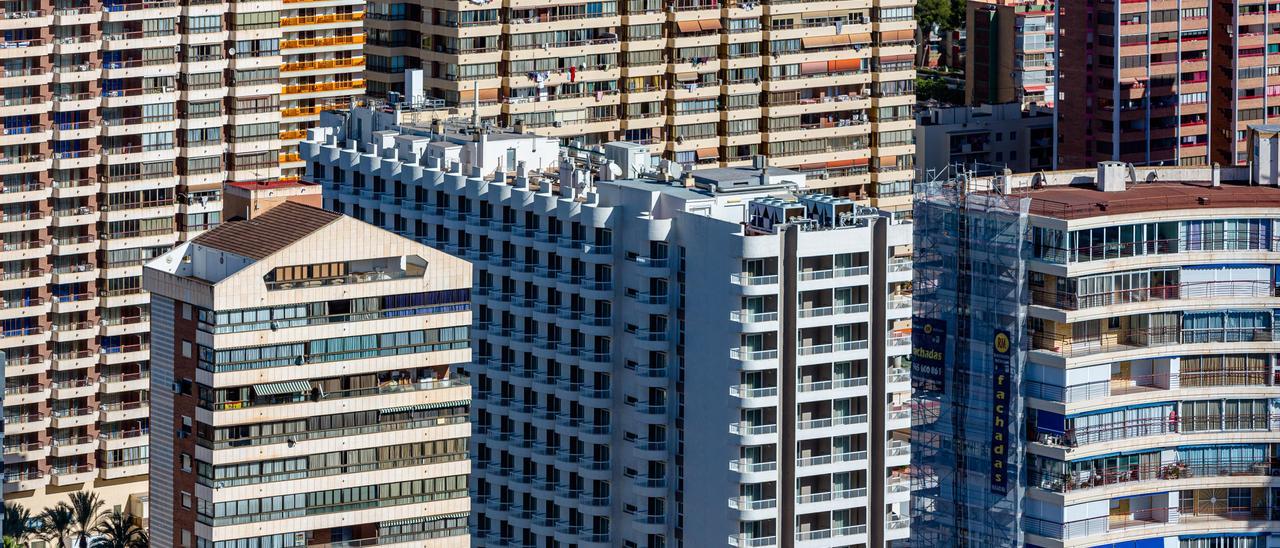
x=259 y=237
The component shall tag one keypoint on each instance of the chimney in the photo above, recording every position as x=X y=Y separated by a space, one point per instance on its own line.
x=1111 y=176
x=1215 y=179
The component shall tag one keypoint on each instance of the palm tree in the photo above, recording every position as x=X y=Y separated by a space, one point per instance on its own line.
x=87 y=507
x=58 y=523
x=118 y=531
x=17 y=523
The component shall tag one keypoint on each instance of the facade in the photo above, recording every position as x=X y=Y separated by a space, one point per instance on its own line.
x=122 y=121
x=307 y=387
x=1012 y=47
x=985 y=139
x=322 y=66
x=662 y=360
x=825 y=88
x=1164 y=85
x=1114 y=383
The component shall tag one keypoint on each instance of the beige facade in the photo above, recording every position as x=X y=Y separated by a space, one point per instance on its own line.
x=296 y=420
x=122 y=120
x=322 y=67
x=824 y=87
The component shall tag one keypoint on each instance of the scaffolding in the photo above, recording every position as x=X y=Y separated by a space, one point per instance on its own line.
x=969 y=347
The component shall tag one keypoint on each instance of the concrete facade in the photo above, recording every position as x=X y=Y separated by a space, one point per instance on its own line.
x=718 y=356
x=312 y=392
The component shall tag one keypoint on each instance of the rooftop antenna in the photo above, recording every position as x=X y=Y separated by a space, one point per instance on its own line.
x=475 y=107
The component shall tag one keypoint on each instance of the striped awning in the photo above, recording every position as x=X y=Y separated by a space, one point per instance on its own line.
x=412 y=521
x=425 y=406
x=278 y=388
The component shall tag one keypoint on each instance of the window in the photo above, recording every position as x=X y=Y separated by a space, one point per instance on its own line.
x=203 y=24
x=186 y=349
x=186 y=499
x=256 y=20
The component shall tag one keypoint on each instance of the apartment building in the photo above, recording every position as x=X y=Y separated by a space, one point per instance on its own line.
x=825 y=88
x=121 y=122
x=1155 y=84
x=706 y=359
x=322 y=67
x=985 y=139
x=1116 y=385
x=1011 y=52
x=308 y=387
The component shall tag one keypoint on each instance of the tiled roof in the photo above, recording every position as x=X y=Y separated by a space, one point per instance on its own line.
x=268 y=233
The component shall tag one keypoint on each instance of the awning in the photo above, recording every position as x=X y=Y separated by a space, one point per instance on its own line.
x=844 y=65
x=399 y=522
x=688 y=26
x=861 y=38
x=278 y=388
x=888 y=160
x=896 y=58
x=818 y=41
x=839 y=164
x=468 y=95
x=815 y=67
x=686 y=76
x=897 y=35
x=812 y=167
x=424 y=406
x=709 y=24
x=709 y=152
x=861 y=161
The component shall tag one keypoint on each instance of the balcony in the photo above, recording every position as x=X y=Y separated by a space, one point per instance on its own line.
x=836 y=534
x=72 y=389
x=26 y=424
x=114 y=439
x=25 y=452
x=831 y=348
x=67 y=447
x=29 y=480
x=72 y=475
x=124 y=382
x=123 y=411
x=71 y=418
x=321 y=87
x=300 y=397
x=354 y=17
x=1138 y=339
x=25 y=394
x=122 y=469
x=301 y=66
x=322 y=42
x=1212 y=292
x=1094 y=478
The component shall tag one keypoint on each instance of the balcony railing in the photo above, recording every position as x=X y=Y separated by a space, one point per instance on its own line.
x=1062 y=482
x=1158 y=426
x=1132 y=339
x=1119 y=386
x=432 y=384
x=1206 y=290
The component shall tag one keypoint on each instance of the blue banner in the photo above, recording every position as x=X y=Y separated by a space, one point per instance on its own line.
x=928 y=353
x=1002 y=352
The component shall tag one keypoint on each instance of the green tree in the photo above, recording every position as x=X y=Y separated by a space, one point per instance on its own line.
x=118 y=531
x=87 y=508
x=18 y=525
x=932 y=16
x=57 y=524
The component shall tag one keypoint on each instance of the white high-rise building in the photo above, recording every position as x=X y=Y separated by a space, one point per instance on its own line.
x=713 y=358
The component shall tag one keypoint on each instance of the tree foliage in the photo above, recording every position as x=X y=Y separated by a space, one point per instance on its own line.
x=118 y=531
